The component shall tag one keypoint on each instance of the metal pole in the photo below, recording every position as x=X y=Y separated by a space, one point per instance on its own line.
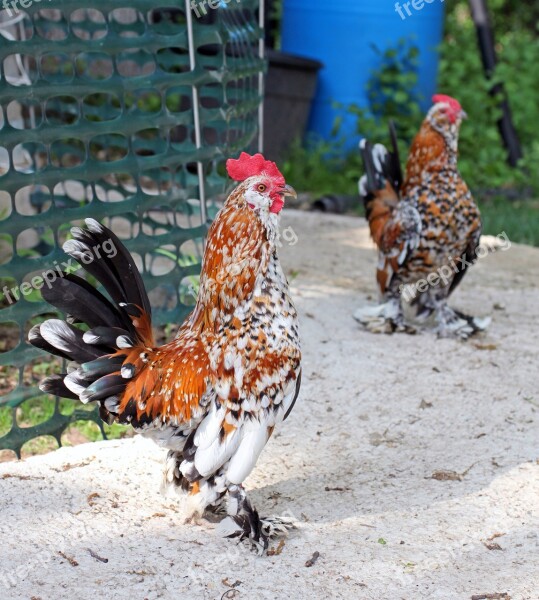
x=485 y=36
x=261 y=54
x=196 y=113
x=271 y=24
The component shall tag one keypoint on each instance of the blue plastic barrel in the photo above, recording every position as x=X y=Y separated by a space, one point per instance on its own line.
x=341 y=33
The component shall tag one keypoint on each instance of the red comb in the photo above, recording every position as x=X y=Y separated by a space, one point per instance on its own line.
x=248 y=166
x=454 y=104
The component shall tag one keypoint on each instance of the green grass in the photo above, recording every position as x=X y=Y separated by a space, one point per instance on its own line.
x=519 y=220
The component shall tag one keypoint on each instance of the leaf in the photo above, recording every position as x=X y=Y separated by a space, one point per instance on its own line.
x=446 y=476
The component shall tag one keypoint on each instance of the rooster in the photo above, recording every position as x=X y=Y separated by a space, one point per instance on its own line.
x=426 y=226
x=214 y=394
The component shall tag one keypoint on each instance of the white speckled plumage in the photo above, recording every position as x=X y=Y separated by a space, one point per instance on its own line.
x=213 y=395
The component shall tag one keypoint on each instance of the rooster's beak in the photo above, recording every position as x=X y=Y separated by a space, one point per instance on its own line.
x=288 y=190
x=463 y=115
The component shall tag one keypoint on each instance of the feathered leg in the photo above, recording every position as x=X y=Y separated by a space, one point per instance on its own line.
x=453 y=323
x=431 y=310
x=244 y=523
x=382 y=318
x=387 y=317
x=173 y=479
x=203 y=497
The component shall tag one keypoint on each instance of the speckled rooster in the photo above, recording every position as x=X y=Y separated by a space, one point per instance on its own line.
x=214 y=394
x=426 y=224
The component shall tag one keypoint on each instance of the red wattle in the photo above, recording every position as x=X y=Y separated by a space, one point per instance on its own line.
x=277 y=205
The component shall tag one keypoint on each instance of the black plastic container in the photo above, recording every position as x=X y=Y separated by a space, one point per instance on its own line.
x=335 y=204
x=290 y=89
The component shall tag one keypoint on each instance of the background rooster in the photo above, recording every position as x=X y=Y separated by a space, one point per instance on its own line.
x=214 y=394
x=425 y=224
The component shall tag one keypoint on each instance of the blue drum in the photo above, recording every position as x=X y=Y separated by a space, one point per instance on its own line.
x=341 y=33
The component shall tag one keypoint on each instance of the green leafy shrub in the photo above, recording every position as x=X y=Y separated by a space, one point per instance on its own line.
x=392 y=95
x=483 y=159
x=318 y=167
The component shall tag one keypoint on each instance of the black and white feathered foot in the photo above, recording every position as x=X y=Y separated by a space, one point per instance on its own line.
x=214 y=513
x=383 y=318
x=244 y=524
x=275 y=527
x=453 y=323
x=256 y=534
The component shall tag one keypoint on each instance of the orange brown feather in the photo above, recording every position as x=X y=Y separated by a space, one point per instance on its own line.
x=171 y=380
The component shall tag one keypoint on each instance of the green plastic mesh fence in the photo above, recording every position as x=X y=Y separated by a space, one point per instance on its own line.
x=124 y=114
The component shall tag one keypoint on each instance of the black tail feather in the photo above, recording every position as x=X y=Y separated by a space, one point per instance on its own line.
x=106 y=336
x=99 y=373
x=371 y=177
x=80 y=248
x=101 y=366
x=36 y=339
x=68 y=339
x=103 y=388
x=122 y=264
x=76 y=297
x=394 y=168
x=55 y=385
x=381 y=167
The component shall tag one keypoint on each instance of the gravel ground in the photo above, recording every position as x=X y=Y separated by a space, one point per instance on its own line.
x=409 y=463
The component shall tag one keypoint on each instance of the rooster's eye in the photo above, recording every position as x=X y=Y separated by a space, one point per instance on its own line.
x=261 y=188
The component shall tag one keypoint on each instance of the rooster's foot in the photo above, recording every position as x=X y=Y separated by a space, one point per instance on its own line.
x=453 y=323
x=244 y=524
x=255 y=533
x=277 y=526
x=215 y=513
x=384 y=318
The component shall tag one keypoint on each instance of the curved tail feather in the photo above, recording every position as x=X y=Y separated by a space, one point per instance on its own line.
x=381 y=166
x=119 y=326
x=380 y=185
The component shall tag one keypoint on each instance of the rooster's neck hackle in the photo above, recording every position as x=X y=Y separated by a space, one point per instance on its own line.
x=269 y=220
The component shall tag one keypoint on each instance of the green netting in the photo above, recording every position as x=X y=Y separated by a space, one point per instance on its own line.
x=121 y=111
